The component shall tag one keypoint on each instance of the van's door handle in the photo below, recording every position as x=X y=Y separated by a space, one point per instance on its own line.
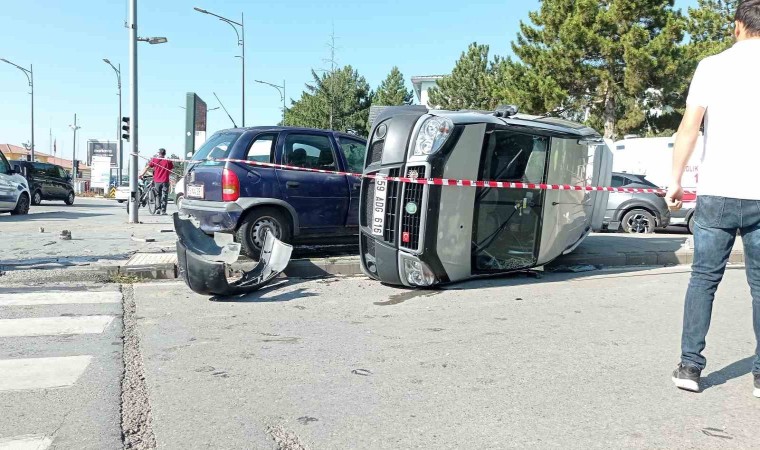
x=292 y=184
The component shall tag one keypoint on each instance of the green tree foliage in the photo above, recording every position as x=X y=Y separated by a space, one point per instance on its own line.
x=610 y=61
x=710 y=27
x=470 y=85
x=338 y=100
x=393 y=91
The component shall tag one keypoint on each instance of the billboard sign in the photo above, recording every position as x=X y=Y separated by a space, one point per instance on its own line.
x=106 y=149
x=195 y=123
x=100 y=172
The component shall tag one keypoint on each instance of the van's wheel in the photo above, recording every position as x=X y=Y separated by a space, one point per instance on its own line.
x=70 y=198
x=253 y=230
x=22 y=206
x=36 y=198
x=638 y=221
x=690 y=224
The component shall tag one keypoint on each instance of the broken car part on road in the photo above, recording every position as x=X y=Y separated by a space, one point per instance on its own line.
x=204 y=264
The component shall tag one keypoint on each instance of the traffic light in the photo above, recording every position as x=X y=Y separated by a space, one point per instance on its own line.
x=125 y=128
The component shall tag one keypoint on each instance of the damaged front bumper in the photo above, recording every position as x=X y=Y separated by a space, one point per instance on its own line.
x=203 y=264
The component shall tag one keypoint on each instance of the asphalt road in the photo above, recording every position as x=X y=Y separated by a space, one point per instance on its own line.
x=99 y=229
x=567 y=361
x=60 y=366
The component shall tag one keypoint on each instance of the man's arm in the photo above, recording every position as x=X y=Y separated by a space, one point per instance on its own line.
x=686 y=141
x=145 y=170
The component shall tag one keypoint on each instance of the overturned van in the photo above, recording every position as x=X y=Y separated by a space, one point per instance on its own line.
x=419 y=235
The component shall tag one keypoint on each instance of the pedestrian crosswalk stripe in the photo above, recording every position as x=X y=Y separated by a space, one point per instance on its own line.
x=49 y=326
x=41 y=373
x=27 y=442
x=59 y=298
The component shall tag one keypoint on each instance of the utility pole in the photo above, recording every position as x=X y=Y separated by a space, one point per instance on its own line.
x=30 y=77
x=133 y=218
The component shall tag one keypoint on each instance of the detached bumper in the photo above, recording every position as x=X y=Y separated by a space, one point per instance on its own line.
x=214 y=216
x=204 y=265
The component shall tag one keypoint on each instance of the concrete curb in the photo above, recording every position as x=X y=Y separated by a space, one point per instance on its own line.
x=349 y=265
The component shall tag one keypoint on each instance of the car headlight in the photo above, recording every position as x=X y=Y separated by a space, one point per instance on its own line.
x=433 y=134
x=417 y=273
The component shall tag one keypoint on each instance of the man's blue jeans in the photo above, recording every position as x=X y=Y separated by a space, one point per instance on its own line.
x=716 y=224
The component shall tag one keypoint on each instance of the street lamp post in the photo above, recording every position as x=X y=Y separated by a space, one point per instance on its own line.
x=30 y=77
x=133 y=161
x=120 y=141
x=74 y=127
x=241 y=43
x=281 y=90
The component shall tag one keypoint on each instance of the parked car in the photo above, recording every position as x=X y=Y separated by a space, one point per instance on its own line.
x=47 y=181
x=296 y=206
x=635 y=213
x=179 y=192
x=14 y=189
x=685 y=215
x=122 y=193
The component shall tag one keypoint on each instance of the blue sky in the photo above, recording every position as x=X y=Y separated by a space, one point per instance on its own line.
x=67 y=40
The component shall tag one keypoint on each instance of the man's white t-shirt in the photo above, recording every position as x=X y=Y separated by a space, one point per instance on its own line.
x=727 y=85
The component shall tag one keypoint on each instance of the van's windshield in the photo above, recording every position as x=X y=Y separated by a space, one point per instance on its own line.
x=507 y=220
x=217 y=146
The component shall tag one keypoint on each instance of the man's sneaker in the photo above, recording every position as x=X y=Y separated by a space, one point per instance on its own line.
x=757 y=385
x=687 y=378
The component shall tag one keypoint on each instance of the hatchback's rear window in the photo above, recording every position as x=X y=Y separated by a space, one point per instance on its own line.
x=217 y=147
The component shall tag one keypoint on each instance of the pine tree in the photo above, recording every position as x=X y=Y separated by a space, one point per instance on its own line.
x=393 y=91
x=711 y=27
x=470 y=85
x=342 y=95
x=611 y=61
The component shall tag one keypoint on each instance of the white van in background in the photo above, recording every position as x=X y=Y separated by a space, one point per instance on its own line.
x=653 y=157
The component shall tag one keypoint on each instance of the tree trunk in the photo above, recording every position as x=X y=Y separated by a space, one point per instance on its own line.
x=609 y=112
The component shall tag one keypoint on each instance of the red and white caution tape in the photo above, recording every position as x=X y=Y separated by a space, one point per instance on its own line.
x=443 y=181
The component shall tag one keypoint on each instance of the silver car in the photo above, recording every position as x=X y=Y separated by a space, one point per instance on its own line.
x=14 y=190
x=635 y=213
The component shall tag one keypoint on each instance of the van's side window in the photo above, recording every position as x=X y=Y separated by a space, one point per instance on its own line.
x=516 y=157
x=262 y=148
x=308 y=151
x=61 y=172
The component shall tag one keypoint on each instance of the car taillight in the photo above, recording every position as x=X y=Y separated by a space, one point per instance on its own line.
x=230 y=186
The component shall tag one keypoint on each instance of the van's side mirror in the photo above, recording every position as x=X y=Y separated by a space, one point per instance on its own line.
x=16 y=169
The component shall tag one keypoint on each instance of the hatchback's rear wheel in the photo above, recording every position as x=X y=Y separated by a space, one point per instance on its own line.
x=638 y=221
x=253 y=231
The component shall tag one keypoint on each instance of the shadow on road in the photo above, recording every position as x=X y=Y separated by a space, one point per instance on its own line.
x=50 y=215
x=731 y=371
x=258 y=296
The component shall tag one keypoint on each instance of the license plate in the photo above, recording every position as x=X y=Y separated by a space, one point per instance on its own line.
x=195 y=191
x=378 y=207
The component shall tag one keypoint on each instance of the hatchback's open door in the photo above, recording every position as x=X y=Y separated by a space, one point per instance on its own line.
x=203 y=264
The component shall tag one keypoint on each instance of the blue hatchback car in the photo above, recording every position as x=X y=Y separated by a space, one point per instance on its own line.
x=296 y=206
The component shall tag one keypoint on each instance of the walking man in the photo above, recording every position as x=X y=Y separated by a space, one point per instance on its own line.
x=161 y=170
x=725 y=92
